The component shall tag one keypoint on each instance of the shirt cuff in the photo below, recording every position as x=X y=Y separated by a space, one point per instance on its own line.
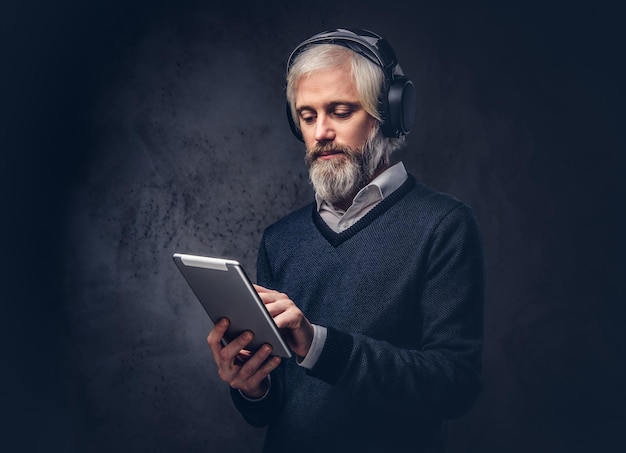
x=317 y=345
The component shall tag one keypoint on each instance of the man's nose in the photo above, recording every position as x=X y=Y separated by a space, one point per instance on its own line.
x=323 y=129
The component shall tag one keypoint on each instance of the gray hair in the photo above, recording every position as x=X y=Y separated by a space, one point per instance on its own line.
x=369 y=79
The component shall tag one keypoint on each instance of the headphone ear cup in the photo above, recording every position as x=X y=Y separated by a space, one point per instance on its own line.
x=292 y=124
x=401 y=102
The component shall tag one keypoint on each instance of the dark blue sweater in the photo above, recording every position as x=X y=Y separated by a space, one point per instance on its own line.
x=401 y=293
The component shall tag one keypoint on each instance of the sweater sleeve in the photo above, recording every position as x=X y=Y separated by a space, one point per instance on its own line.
x=442 y=377
x=261 y=413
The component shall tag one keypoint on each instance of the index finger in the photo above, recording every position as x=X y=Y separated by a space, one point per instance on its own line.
x=260 y=289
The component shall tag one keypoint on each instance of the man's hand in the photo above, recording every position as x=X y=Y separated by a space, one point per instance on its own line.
x=290 y=320
x=238 y=367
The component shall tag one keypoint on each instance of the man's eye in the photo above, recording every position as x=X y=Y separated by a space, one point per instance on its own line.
x=342 y=113
x=307 y=119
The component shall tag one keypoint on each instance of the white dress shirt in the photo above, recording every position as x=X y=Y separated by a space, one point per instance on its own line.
x=364 y=201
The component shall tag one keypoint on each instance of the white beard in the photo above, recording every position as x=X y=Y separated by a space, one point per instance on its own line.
x=340 y=178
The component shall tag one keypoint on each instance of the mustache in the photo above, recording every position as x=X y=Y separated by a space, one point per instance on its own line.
x=329 y=148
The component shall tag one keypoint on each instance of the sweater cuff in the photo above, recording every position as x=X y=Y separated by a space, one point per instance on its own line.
x=334 y=357
x=258 y=412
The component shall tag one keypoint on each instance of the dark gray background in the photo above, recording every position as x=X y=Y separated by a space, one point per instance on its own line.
x=132 y=130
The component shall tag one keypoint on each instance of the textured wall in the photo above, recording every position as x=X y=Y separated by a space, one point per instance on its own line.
x=139 y=129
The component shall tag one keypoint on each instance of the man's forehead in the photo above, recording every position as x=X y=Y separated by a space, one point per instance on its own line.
x=341 y=73
x=332 y=85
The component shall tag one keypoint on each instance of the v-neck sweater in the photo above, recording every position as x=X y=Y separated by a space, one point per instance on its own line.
x=401 y=294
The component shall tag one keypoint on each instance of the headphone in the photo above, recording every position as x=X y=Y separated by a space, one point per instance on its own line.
x=397 y=100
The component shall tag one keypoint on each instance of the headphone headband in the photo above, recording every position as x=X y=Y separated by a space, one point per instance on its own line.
x=364 y=42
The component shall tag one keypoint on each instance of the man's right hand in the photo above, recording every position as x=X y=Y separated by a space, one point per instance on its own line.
x=237 y=366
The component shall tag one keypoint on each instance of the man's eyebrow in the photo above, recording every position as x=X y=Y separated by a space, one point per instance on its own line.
x=330 y=105
x=345 y=104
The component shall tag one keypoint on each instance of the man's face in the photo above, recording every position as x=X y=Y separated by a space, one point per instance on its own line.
x=329 y=110
x=339 y=134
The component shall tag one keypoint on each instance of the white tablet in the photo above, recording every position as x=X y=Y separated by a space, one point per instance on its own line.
x=225 y=291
